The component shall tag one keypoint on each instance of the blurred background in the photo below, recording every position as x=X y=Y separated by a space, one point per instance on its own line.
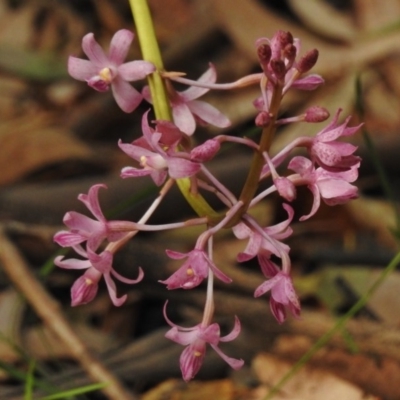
x=58 y=137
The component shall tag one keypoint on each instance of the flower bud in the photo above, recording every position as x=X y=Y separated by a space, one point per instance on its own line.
x=262 y=119
x=316 y=114
x=307 y=61
x=289 y=52
x=205 y=151
x=279 y=68
x=264 y=55
x=284 y=38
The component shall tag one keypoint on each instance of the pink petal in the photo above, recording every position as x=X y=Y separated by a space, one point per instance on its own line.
x=175 y=255
x=327 y=154
x=332 y=124
x=316 y=202
x=190 y=362
x=268 y=268
x=291 y=293
x=232 y=362
x=184 y=338
x=95 y=240
x=241 y=231
x=135 y=70
x=277 y=230
x=71 y=263
x=310 y=82
x=345 y=149
x=209 y=114
x=91 y=201
x=147 y=94
x=127 y=280
x=68 y=239
x=171 y=135
x=112 y=291
x=181 y=168
x=194 y=92
x=77 y=221
x=119 y=46
x=301 y=165
x=102 y=262
x=219 y=274
x=278 y=291
x=159 y=177
x=210 y=334
x=94 y=52
x=130 y=172
x=285 y=188
x=234 y=333
x=181 y=278
x=267 y=285
x=278 y=310
x=127 y=97
x=183 y=118
x=252 y=248
x=135 y=152
x=337 y=191
x=85 y=288
x=82 y=70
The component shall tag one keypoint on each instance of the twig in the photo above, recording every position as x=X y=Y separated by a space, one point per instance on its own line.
x=50 y=312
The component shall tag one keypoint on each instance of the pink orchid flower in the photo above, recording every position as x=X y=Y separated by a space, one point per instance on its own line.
x=330 y=153
x=193 y=271
x=283 y=294
x=102 y=71
x=333 y=187
x=187 y=110
x=158 y=154
x=83 y=228
x=195 y=339
x=259 y=245
x=97 y=265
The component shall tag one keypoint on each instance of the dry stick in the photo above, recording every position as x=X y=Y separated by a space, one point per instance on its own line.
x=50 y=312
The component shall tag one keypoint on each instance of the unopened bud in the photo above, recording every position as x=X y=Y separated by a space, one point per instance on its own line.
x=205 y=151
x=290 y=52
x=279 y=68
x=316 y=114
x=262 y=119
x=264 y=55
x=284 y=38
x=307 y=61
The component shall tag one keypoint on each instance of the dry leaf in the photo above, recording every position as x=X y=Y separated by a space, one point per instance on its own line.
x=322 y=18
x=30 y=144
x=178 y=390
x=307 y=384
x=376 y=216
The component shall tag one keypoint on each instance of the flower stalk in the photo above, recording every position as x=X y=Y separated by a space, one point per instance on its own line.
x=151 y=52
x=165 y=153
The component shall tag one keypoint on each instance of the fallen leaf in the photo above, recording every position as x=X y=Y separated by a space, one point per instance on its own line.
x=307 y=384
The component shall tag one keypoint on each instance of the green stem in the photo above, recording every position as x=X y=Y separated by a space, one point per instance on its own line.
x=339 y=325
x=151 y=52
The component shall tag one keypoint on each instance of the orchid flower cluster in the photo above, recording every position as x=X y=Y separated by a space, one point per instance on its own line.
x=166 y=154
